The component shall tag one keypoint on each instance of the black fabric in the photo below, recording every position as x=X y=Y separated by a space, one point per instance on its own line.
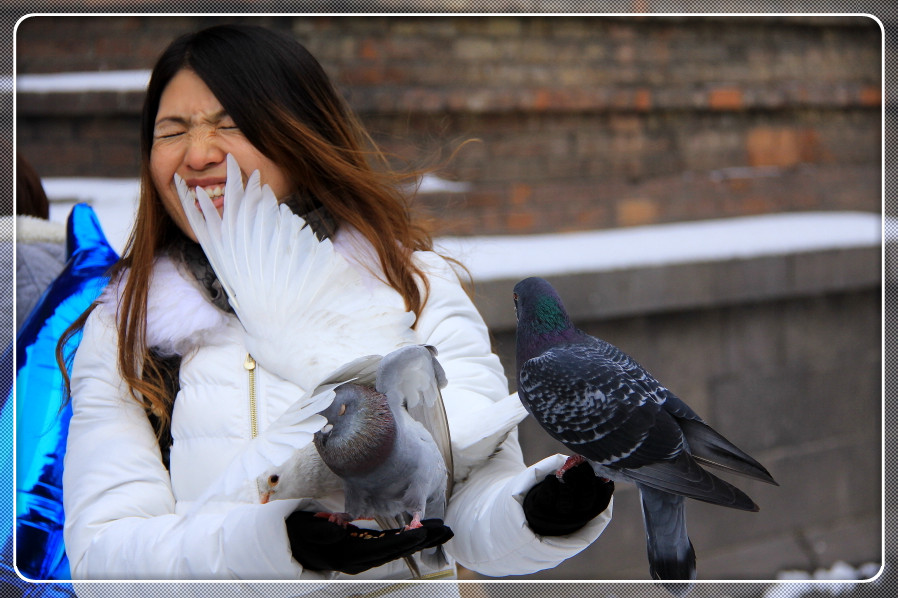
x=319 y=545
x=555 y=508
x=168 y=367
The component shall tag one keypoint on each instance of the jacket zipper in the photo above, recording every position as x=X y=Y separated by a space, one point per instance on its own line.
x=249 y=364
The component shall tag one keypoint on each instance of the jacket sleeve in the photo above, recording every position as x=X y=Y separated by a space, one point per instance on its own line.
x=121 y=521
x=485 y=510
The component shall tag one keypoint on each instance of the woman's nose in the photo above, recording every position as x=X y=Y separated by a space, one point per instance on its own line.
x=203 y=151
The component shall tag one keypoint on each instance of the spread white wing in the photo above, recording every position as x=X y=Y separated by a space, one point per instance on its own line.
x=304 y=307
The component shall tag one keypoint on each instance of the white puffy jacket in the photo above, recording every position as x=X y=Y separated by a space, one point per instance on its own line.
x=125 y=513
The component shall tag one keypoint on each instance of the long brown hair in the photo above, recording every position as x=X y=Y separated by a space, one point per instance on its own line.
x=283 y=102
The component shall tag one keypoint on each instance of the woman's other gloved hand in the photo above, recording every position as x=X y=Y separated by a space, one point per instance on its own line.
x=556 y=508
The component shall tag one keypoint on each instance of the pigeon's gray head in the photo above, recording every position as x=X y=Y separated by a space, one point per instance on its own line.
x=360 y=430
x=542 y=319
x=539 y=308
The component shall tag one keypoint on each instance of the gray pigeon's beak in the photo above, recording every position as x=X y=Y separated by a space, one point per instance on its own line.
x=322 y=434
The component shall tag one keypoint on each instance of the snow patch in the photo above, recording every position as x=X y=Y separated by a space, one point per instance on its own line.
x=122 y=81
x=511 y=257
x=840 y=579
x=517 y=256
x=114 y=201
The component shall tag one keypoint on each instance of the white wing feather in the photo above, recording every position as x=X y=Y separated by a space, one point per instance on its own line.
x=303 y=306
x=478 y=434
x=412 y=377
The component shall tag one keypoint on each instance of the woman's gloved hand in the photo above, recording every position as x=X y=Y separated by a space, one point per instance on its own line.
x=319 y=545
x=555 y=508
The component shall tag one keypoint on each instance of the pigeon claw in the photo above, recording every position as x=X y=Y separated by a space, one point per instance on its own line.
x=415 y=523
x=341 y=519
x=571 y=463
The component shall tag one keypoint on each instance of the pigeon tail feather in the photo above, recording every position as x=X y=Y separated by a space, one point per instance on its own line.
x=709 y=447
x=684 y=477
x=670 y=552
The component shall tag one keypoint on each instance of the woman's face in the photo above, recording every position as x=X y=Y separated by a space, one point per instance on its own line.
x=192 y=136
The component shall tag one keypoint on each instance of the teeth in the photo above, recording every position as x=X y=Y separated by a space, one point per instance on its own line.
x=212 y=192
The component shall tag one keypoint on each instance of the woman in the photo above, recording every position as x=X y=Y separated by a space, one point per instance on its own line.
x=139 y=464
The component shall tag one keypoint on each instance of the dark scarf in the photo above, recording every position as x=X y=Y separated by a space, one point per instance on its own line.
x=192 y=256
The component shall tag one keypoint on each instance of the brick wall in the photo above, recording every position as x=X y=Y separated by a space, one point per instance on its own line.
x=579 y=123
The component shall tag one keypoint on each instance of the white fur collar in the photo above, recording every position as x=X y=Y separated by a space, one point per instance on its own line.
x=30 y=229
x=179 y=317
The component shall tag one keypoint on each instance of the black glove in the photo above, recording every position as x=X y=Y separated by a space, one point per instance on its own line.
x=319 y=545
x=553 y=508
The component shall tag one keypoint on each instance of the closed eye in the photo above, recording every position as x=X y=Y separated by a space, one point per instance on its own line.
x=342 y=409
x=168 y=135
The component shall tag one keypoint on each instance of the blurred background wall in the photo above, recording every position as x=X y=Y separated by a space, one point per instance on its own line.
x=601 y=125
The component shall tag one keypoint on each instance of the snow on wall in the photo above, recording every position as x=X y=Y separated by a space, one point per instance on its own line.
x=83 y=81
x=505 y=257
x=510 y=257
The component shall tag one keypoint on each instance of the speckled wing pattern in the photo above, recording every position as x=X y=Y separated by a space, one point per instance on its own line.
x=603 y=405
x=599 y=402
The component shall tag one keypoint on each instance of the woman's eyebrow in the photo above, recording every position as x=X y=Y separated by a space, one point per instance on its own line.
x=176 y=120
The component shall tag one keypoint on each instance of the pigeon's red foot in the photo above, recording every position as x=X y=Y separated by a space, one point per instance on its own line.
x=415 y=523
x=341 y=519
x=571 y=463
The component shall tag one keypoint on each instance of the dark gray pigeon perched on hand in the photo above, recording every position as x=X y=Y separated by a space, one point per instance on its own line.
x=607 y=409
x=392 y=469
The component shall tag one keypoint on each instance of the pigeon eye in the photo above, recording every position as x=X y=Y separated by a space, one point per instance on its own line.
x=342 y=409
x=273 y=479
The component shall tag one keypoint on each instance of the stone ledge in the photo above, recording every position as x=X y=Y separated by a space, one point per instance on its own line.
x=642 y=287
x=641 y=291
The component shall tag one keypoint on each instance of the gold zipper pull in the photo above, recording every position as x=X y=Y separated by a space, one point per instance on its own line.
x=249 y=364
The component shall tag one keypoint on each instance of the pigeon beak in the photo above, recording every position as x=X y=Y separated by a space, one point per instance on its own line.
x=327 y=429
x=266 y=496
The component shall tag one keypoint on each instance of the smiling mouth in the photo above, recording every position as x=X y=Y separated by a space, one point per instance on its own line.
x=215 y=193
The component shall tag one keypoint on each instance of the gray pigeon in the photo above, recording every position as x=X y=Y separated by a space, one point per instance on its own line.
x=392 y=469
x=607 y=409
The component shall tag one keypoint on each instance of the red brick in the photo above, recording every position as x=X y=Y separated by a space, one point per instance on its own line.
x=725 y=98
x=770 y=146
x=520 y=222
x=871 y=96
x=636 y=211
x=520 y=194
x=642 y=100
x=368 y=50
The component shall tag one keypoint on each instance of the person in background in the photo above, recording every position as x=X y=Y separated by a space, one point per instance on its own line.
x=40 y=243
